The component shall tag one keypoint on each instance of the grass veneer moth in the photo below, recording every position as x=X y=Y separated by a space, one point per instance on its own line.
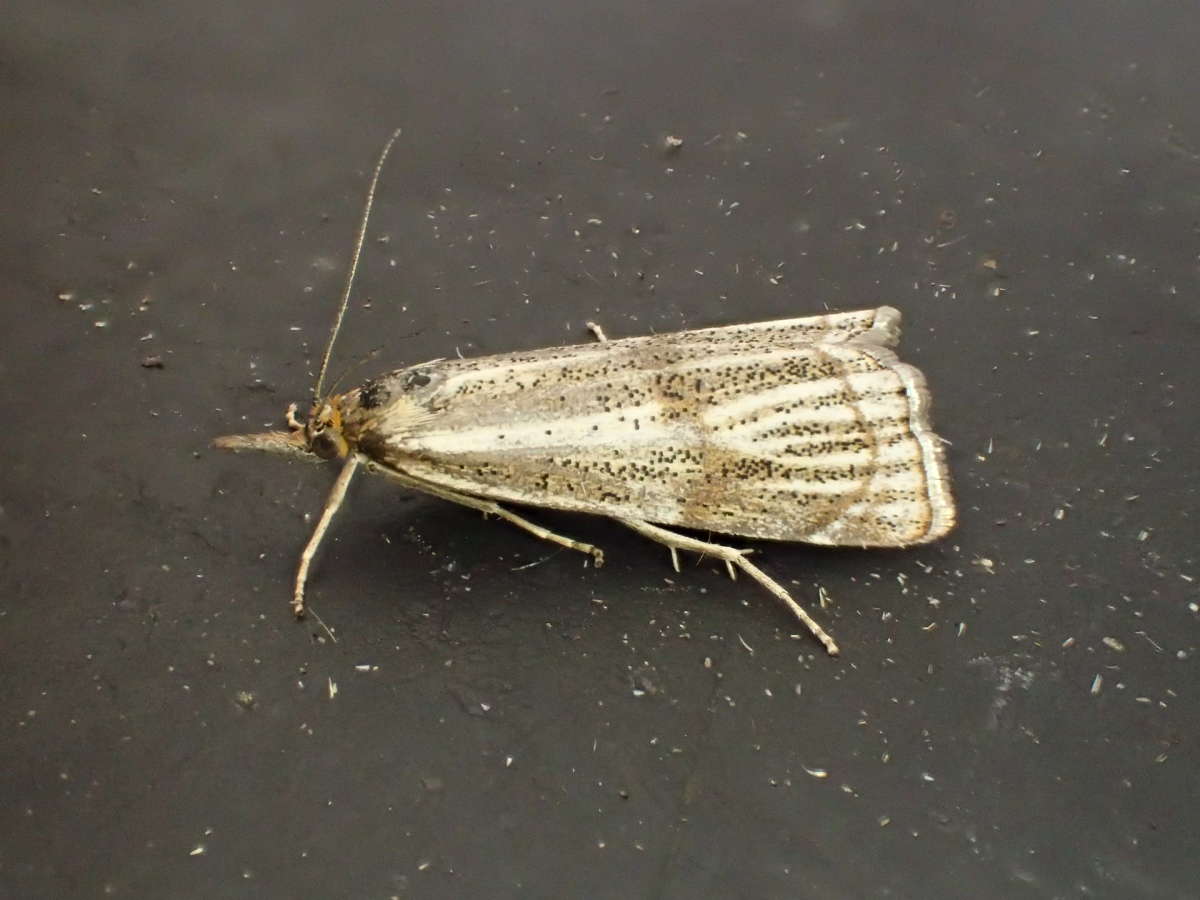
x=805 y=429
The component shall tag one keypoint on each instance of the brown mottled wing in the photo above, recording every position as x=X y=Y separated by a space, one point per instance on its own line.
x=802 y=430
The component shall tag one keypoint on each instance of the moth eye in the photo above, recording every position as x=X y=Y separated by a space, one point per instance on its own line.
x=416 y=380
x=323 y=444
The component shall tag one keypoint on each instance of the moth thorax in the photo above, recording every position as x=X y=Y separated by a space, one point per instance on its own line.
x=323 y=431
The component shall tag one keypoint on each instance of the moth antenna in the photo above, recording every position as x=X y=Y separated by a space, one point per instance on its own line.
x=358 y=245
x=353 y=367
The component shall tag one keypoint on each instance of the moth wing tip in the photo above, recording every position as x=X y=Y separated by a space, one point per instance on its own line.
x=889 y=315
x=885 y=329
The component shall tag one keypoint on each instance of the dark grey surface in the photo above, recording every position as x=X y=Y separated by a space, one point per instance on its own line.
x=189 y=177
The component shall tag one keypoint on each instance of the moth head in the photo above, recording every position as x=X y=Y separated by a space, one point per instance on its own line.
x=321 y=437
x=323 y=430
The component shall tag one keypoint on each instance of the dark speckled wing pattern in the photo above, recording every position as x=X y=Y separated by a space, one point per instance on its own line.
x=804 y=429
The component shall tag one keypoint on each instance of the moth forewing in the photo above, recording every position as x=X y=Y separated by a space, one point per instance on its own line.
x=797 y=430
x=806 y=429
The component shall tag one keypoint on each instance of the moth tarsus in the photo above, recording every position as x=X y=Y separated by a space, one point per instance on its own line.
x=806 y=429
x=734 y=560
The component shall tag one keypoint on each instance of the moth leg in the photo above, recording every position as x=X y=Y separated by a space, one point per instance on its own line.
x=595 y=329
x=492 y=508
x=731 y=557
x=495 y=509
x=336 y=496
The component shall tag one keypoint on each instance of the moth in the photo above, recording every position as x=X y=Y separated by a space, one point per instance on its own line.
x=807 y=429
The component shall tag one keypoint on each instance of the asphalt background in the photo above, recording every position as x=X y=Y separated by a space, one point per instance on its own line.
x=1015 y=711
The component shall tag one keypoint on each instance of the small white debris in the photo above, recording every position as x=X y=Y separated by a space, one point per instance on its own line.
x=816 y=773
x=198 y=850
x=1113 y=644
x=333 y=689
x=672 y=142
